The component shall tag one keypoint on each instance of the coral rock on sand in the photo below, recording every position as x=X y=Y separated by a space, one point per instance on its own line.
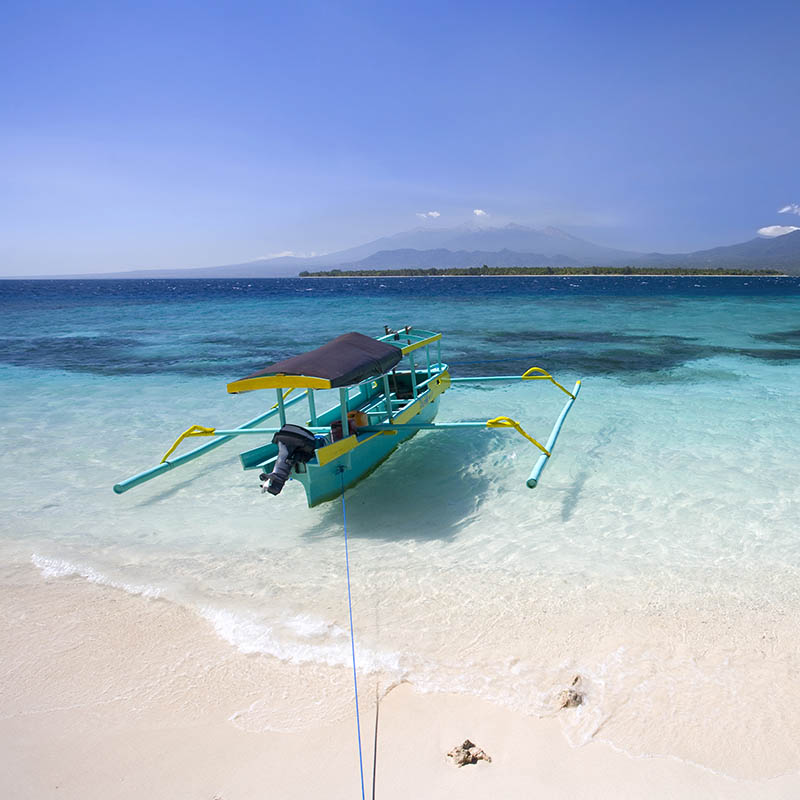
x=569 y=698
x=467 y=753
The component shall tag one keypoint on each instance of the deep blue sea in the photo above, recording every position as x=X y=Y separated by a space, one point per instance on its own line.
x=659 y=557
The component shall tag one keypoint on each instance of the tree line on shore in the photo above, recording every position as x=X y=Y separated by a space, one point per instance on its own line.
x=407 y=272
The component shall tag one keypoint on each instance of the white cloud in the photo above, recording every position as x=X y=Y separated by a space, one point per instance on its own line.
x=479 y=212
x=777 y=230
x=792 y=208
x=279 y=254
x=285 y=253
x=428 y=214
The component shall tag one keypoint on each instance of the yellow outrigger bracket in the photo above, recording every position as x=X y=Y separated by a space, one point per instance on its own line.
x=195 y=430
x=542 y=375
x=200 y=430
x=507 y=422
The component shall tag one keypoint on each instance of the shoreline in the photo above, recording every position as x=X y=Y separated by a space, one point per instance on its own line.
x=537 y=275
x=123 y=695
x=116 y=277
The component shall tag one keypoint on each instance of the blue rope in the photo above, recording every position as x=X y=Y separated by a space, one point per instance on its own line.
x=352 y=637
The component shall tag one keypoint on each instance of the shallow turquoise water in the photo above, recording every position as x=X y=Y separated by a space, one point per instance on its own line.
x=673 y=486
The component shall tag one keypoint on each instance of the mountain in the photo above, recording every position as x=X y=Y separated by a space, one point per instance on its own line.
x=508 y=246
x=546 y=242
x=442 y=258
x=780 y=252
x=283 y=267
x=514 y=245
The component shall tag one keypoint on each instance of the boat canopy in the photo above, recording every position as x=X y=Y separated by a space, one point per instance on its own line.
x=344 y=361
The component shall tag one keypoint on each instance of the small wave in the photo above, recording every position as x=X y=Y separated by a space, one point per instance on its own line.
x=307 y=626
x=249 y=635
x=56 y=568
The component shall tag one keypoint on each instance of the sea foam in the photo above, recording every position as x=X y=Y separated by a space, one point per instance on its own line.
x=58 y=568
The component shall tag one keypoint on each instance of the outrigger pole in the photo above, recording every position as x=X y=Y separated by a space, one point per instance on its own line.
x=551 y=441
x=167 y=465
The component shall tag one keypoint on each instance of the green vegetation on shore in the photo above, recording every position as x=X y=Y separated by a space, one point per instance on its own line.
x=486 y=270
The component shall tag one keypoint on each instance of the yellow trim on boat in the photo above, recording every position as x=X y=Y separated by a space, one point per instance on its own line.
x=409 y=347
x=440 y=384
x=507 y=422
x=278 y=382
x=332 y=451
x=543 y=375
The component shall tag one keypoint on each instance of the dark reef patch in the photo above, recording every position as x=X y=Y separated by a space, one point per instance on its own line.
x=583 y=353
x=791 y=337
x=578 y=352
x=770 y=354
x=587 y=337
x=120 y=355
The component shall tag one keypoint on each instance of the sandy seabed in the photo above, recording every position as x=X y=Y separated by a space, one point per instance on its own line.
x=105 y=694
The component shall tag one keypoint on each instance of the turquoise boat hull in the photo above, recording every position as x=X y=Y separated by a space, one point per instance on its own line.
x=324 y=483
x=342 y=463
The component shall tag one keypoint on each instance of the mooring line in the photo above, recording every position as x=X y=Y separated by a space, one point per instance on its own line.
x=375 y=741
x=352 y=636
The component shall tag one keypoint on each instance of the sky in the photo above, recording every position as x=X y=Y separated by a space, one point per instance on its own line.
x=177 y=134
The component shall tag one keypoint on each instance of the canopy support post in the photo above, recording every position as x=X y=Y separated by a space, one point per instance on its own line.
x=413 y=375
x=312 y=407
x=281 y=407
x=387 y=392
x=343 y=407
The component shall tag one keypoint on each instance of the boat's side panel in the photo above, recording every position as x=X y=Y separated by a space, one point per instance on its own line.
x=324 y=483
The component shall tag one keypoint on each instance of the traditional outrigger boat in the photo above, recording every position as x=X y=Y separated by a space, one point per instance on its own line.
x=379 y=407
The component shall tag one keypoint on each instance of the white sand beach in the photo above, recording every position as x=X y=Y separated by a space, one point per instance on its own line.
x=105 y=694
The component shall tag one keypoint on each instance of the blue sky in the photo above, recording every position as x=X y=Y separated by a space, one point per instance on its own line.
x=192 y=134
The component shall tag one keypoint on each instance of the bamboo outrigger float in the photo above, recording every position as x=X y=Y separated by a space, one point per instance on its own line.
x=379 y=407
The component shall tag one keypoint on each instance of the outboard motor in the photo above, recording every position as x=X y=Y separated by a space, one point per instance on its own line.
x=295 y=445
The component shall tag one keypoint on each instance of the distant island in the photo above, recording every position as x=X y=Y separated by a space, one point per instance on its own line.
x=406 y=272
x=511 y=250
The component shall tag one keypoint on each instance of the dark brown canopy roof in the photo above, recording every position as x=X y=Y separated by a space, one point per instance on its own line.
x=344 y=361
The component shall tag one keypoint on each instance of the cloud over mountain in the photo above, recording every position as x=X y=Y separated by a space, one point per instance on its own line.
x=771 y=231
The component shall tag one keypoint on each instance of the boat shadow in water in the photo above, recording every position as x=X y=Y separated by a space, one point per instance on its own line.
x=430 y=488
x=187 y=479
x=590 y=465
x=166 y=494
